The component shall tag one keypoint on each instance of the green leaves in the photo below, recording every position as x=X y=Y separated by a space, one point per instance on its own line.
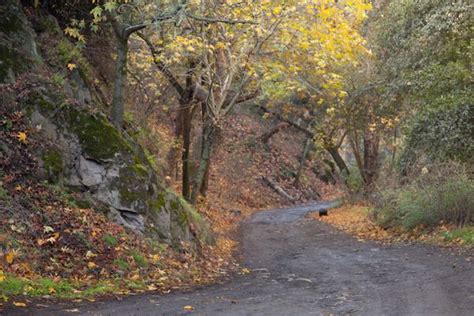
x=110 y=6
x=97 y=11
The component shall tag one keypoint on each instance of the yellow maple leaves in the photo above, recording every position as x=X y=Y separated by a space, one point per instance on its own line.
x=319 y=39
x=51 y=239
x=22 y=137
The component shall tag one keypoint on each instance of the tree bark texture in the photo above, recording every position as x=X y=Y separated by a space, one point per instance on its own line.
x=304 y=156
x=120 y=82
x=208 y=138
x=341 y=164
x=371 y=155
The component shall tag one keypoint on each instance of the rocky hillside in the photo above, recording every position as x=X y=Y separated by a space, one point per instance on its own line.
x=80 y=200
x=81 y=149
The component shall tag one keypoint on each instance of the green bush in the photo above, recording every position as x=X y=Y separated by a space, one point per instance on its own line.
x=442 y=134
x=354 y=181
x=426 y=202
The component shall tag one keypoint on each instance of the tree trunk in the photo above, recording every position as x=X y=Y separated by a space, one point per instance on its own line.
x=394 y=144
x=205 y=181
x=186 y=153
x=278 y=189
x=341 y=164
x=371 y=155
x=208 y=134
x=353 y=140
x=304 y=156
x=186 y=115
x=118 y=98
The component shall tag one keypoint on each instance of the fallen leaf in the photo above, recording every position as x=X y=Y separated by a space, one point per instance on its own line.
x=245 y=271
x=9 y=257
x=71 y=66
x=19 y=304
x=155 y=258
x=51 y=240
x=90 y=254
x=22 y=137
x=151 y=287
x=48 y=229
x=188 y=308
x=91 y=265
x=2 y=276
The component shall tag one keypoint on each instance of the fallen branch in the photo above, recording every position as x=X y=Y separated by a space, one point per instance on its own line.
x=277 y=189
x=265 y=137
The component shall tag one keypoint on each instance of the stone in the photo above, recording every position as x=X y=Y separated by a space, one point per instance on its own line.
x=17 y=41
x=91 y=173
x=131 y=220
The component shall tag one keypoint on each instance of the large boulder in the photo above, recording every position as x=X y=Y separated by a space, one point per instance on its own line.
x=89 y=154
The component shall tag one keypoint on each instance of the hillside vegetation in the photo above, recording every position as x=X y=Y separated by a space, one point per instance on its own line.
x=136 y=135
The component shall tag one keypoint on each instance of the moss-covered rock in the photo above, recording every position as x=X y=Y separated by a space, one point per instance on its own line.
x=95 y=156
x=53 y=164
x=17 y=45
x=99 y=139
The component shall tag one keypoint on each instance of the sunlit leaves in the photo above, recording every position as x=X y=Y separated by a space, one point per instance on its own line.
x=315 y=42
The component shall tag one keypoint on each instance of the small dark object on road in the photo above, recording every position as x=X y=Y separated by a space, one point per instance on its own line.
x=323 y=212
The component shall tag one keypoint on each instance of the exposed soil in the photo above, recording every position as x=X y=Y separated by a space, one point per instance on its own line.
x=305 y=267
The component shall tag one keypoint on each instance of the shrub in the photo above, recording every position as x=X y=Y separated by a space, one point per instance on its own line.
x=432 y=197
x=353 y=180
x=442 y=134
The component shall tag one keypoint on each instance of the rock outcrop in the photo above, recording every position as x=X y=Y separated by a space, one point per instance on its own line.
x=90 y=155
x=17 y=41
x=84 y=152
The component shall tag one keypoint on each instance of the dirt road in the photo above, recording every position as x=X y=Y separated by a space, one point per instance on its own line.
x=305 y=267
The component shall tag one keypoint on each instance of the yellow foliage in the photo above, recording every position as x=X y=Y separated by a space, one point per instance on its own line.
x=9 y=257
x=22 y=137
